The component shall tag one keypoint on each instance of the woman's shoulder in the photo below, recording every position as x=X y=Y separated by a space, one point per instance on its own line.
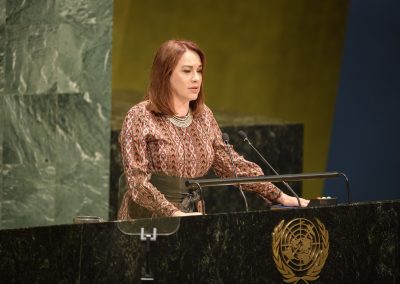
x=206 y=117
x=138 y=114
x=206 y=111
x=139 y=111
x=139 y=108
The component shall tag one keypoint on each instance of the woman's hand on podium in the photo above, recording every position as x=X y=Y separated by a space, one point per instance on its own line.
x=288 y=200
x=183 y=214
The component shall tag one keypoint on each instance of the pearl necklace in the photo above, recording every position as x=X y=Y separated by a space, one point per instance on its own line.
x=181 y=121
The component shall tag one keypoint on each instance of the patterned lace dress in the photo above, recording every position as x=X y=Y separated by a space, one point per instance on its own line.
x=150 y=143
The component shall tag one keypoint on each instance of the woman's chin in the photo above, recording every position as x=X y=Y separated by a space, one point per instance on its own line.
x=193 y=97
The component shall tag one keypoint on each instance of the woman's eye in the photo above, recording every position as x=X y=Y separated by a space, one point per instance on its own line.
x=186 y=71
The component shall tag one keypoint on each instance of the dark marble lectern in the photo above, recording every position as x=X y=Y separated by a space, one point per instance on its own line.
x=361 y=241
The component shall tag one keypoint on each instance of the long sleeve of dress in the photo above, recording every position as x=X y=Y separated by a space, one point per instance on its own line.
x=135 y=158
x=223 y=166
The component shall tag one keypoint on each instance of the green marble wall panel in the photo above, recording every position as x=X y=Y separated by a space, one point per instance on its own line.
x=2 y=44
x=84 y=80
x=2 y=47
x=55 y=57
x=69 y=39
x=83 y=168
x=84 y=57
x=2 y=111
x=79 y=12
x=28 y=195
x=86 y=12
x=85 y=46
x=1 y=194
x=2 y=12
x=29 y=129
x=31 y=50
x=28 y=164
x=1 y=154
x=31 y=54
x=26 y=13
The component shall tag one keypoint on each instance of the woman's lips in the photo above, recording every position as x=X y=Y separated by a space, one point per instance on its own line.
x=194 y=89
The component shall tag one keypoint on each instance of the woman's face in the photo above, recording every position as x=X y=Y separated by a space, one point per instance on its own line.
x=187 y=77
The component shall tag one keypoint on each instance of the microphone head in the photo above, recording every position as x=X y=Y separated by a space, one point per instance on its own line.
x=242 y=134
x=225 y=137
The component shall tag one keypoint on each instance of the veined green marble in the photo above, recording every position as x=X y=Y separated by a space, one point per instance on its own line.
x=79 y=12
x=2 y=12
x=1 y=60
x=2 y=44
x=2 y=47
x=83 y=169
x=84 y=57
x=2 y=111
x=26 y=13
x=29 y=129
x=55 y=94
x=86 y=13
x=1 y=192
x=28 y=195
x=58 y=59
x=30 y=59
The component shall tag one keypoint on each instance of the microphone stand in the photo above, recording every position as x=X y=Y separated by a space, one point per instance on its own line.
x=244 y=136
x=225 y=138
x=193 y=183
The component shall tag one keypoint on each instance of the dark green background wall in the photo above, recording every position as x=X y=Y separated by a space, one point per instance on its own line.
x=275 y=59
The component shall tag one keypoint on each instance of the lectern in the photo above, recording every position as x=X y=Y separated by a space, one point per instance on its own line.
x=357 y=243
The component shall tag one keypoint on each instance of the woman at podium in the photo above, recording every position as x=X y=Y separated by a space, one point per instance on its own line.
x=172 y=135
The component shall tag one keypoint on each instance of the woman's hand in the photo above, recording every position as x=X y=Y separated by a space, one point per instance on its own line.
x=288 y=200
x=183 y=214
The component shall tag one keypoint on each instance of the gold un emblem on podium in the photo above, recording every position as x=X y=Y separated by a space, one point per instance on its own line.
x=300 y=249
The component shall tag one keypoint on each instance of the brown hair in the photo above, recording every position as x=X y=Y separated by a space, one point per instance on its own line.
x=159 y=92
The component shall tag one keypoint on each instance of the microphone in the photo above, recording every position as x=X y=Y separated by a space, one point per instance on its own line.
x=225 y=137
x=246 y=139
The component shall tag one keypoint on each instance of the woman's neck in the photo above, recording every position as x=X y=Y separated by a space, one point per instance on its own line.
x=181 y=109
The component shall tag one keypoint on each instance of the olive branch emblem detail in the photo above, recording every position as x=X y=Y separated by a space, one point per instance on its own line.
x=300 y=249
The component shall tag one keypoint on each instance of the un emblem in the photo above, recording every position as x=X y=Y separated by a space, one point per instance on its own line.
x=300 y=249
